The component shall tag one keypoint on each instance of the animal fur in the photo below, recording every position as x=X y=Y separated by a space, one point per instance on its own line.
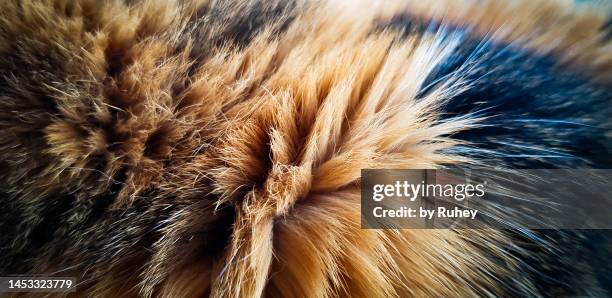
x=214 y=148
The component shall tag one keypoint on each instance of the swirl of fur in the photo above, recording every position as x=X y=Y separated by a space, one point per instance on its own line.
x=191 y=148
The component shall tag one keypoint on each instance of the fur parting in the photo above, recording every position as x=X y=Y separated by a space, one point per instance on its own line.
x=225 y=164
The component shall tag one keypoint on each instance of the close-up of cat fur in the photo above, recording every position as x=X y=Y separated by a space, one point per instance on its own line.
x=179 y=148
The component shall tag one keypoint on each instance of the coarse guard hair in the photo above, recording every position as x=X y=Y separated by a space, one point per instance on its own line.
x=180 y=148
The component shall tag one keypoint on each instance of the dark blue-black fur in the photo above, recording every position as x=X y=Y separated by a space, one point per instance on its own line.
x=541 y=115
x=538 y=115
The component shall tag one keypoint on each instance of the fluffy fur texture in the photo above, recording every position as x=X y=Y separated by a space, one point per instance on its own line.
x=196 y=148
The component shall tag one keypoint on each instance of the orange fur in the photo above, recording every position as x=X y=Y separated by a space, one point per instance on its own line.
x=275 y=132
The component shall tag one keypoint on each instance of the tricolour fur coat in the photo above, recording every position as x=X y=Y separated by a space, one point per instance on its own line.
x=214 y=148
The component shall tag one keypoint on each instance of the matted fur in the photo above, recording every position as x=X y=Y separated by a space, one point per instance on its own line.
x=189 y=148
